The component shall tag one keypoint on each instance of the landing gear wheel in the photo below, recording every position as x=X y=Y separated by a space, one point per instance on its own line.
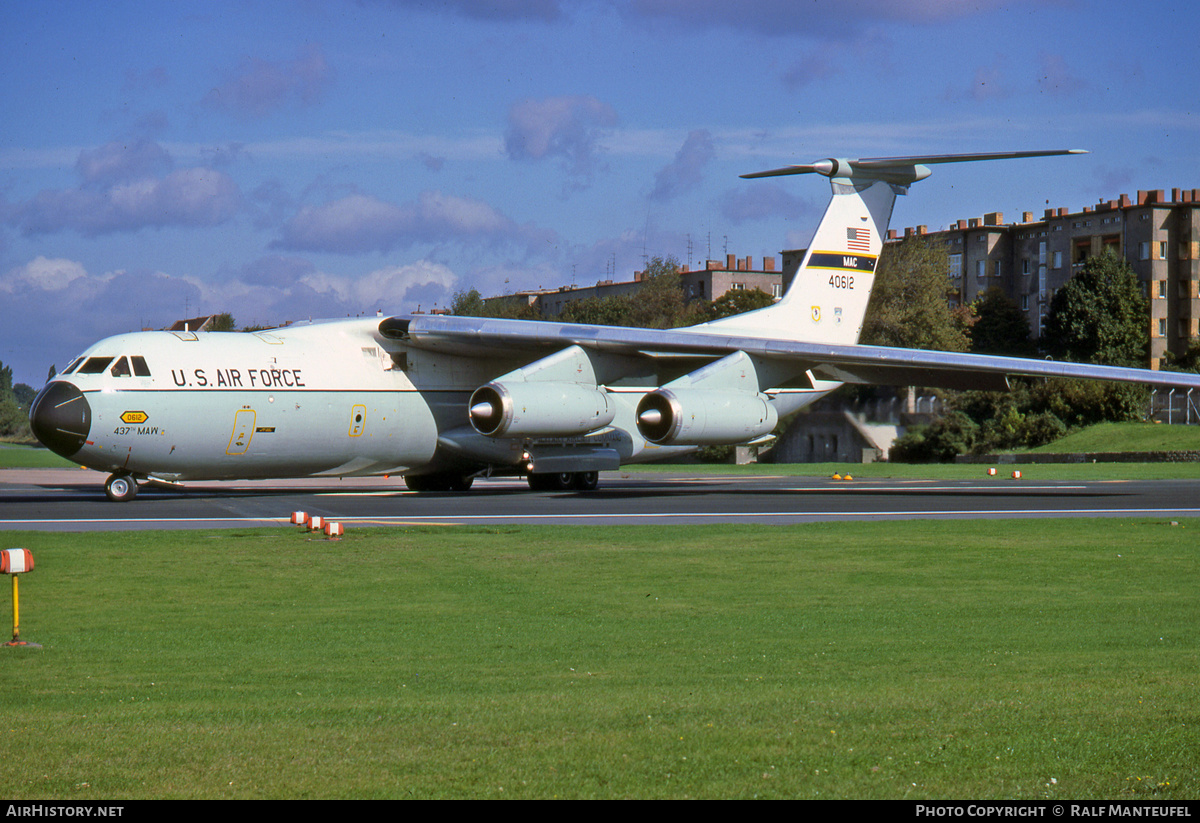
x=121 y=488
x=587 y=481
x=442 y=482
x=555 y=481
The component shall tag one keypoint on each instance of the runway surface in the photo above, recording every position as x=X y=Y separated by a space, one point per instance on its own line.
x=73 y=500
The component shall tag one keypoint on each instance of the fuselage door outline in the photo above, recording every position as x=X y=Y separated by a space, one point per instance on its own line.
x=243 y=431
x=358 y=419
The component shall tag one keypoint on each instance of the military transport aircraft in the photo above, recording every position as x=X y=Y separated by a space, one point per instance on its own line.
x=442 y=400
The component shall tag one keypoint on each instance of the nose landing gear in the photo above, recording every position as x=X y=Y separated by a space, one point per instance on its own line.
x=121 y=488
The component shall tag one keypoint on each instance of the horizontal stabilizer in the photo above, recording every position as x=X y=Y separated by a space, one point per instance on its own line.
x=898 y=169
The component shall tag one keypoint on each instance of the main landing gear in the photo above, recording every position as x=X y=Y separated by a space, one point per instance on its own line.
x=540 y=481
x=121 y=488
x=564 y=481
x=441 y=482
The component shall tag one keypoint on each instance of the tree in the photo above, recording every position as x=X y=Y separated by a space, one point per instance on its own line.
x=910 y=303
x=223 y=322
x=1188 y=361
x=470 y=303
x=1100 y=316
x=467 y=303
x=954 y=434
x=660 y=303
x=738 y=301
x=14 y=417
x=1000 y=326
x=615 y=310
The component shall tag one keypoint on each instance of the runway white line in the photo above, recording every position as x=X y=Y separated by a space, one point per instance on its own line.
x=622 y=516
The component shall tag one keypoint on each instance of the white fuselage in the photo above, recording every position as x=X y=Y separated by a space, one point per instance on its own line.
x=324 y=399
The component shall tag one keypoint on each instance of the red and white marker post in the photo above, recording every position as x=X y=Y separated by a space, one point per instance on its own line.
x=15 y=562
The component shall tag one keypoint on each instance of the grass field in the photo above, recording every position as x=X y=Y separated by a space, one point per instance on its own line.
x=22 y=456
x=1128 y=437
x=1030 y=659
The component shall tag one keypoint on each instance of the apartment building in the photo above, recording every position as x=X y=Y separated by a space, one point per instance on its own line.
x=708 y=283
x=1029 y=260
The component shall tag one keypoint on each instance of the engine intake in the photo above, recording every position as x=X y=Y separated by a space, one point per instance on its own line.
x=539 y=409
x=704 y=417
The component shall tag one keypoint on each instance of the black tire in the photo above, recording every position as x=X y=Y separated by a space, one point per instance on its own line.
x=422 y=482
x=587 y=481
x=552 y=481
x=441 y=482
x=121 y=488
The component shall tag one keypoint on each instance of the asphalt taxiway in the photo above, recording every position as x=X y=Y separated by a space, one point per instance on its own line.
x=73 y=500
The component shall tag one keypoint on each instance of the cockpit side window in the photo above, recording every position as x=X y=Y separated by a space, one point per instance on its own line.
x=95 y=365
x=121 y=368
x=139 y=366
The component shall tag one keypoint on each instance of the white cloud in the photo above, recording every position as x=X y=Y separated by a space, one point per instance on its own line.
x=360 y=223
x=43 y=274
x=260 y=87
x=122 y=191
x=685 y=172
x=567 y=128
x=386 y=287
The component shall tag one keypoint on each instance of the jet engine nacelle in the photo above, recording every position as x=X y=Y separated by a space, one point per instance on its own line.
x=539 y=409
x=704 y=417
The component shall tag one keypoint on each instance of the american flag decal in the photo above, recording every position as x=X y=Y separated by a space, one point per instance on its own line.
x=859 y=240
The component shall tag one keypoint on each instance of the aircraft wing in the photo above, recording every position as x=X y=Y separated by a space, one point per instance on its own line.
x=827 y=361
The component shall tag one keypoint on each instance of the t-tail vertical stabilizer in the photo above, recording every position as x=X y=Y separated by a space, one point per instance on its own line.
x=826 y=301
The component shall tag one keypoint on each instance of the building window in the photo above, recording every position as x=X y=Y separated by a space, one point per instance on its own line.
x=1058 y=260
x=1162 y=327
x=981 y=269
x=1143 y=251
x=1162 y=289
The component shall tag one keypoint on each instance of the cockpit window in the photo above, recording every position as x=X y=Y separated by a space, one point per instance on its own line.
x=74 y=364
x=139 y=366
x=121 y=368
x=95 y=365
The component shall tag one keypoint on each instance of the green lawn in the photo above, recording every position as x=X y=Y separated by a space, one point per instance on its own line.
x=20 y=456
x=1128 y=437
x=1030 y=659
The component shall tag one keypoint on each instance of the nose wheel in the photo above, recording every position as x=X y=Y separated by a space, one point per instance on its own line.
x=121 y=488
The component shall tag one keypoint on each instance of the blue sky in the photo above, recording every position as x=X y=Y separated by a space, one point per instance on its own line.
x=294 y=159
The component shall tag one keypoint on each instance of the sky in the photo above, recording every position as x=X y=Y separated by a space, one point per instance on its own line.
x=293 y=159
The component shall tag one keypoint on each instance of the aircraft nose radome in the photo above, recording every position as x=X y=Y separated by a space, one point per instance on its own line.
x=61 y=418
